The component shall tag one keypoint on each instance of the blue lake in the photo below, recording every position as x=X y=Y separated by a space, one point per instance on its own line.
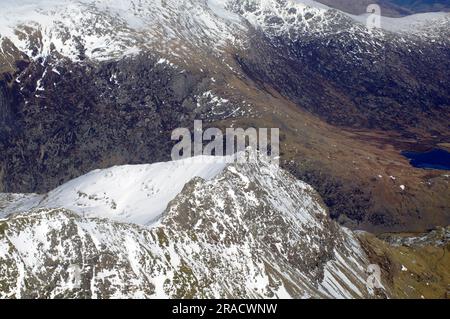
x=435 y=159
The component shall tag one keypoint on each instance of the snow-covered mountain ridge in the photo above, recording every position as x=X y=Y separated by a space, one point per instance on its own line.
x=109 y=29
x=103 y=30
x=252 y=223
x=133 y=193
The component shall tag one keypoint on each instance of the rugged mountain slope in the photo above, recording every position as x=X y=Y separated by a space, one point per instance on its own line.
x=310 y=49
x=340 y=70
x=252 y=223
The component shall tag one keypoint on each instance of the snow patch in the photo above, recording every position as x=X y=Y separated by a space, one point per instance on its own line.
x=132 y=193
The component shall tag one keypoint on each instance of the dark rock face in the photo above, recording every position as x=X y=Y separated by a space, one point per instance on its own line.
x=8 y=118
x=351 y=83
x=65 y=120
x=7 y=111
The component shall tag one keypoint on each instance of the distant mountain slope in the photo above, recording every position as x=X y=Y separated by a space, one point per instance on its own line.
x=102 y=30
x=110 y=29
x=423 y=5
x=390 y=8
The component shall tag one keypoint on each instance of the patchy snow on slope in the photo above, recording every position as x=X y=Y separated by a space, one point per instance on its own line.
x=301 y=20
x=72 y=28
x=110 y=29
x=282 y=17
x=219 y=8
